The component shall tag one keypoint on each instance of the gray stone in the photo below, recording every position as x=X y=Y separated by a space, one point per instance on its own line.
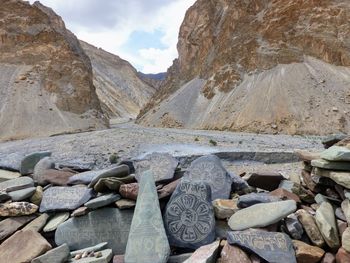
x=103 y=225
x=106 y=256
x=28 y=163
x=205 y=254
x=38 y=223
x=16 y=184
x=8 y=175
x=189 y=215
x=320 y=163
x=64 y=198
x=339 y=214
x=337 y=154
x=327 y=225
x=20 y=195
x=95 y=248
x=210 y=170
x=179 y=258
x=261 y=215
x=55 y=221
x=4 y=196
x=101 y=201
x=81 y=211
x=39 y=170
x=10 y=225
x=319 y=198
x=162 y=165
x=347 y=193
x=57 y=255
x=118 y=171
x=294 y=227
x=273 y=247
x=345 y=206
x=255 y=198
x=147 y=228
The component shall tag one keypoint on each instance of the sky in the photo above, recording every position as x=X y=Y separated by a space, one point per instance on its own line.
x=144 y=32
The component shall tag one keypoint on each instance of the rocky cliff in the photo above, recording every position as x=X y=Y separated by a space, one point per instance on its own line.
x=46 y=81
x=259 y=66
x=119 y=88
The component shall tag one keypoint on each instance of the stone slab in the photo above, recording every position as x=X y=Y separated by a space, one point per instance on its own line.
x=20 y=195
x=57 y=255
x=8 y=175
x=10 y=225
x=103 y=200
x=320 y=163
x=16 y=184
x=337 y=154
x=105 y=257
x=28 y=162
x=55 y=221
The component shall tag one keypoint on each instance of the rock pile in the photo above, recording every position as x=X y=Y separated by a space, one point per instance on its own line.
x=199 y=213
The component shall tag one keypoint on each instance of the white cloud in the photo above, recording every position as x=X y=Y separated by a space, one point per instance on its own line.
x=109 y=24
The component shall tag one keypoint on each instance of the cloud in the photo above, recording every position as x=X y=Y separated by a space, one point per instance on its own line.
x=110 y=24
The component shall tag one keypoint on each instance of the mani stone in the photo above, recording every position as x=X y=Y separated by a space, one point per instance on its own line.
x=205 y=254
x=20 y=195
x=101 y=201
x=210 y=170
x=337 y=154
x=255 y=198
x=274 y=247
x=23 y=246
x=252 y=216
x=10 y=225
x=105 y=257
x=162 y=166
x=103 y=225
x=306 y=253
x=17 y=209
x=189 y=216
x=147 y=228
x=28 y=163
x=57 y=255
x=327 y=225
x=266 y=181
x=55 y=221
x=8 y=175
x=320 y=163
x=16 y=184
x=64 y=198
x=340 y=177
x=38 y=223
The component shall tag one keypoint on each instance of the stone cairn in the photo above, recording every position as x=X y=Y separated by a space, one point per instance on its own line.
x=155 y=209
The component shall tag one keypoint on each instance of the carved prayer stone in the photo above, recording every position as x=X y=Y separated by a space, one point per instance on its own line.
x=147 y=228
x=273 y=247
x=209 y=169
x=162 y=165
x=189 y=216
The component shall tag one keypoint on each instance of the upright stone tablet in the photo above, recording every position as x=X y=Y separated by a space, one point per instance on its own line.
x=189 y=216
x=103 y=225
x=162 y=166
x=147 y=228
x=209 y=169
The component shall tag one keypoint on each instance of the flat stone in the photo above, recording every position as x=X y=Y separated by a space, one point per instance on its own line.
x=118 y=172
x=23 y=246
x=37 y=196
x=255 y=198
x=16 y=184
x=81 y=211
x=167 y=189
x=125 y=204
x=129 y=191
x=342 y=256
x=28 y=162
x=40 y=169
x=103 y=225
x=189 y=216
x=101 y=201
x=205 y=254
x=311 y=229
x=327 y=225
x=328 y=258
x=20 y=195
x=4 y=196
x=345 y=206
x=62 y=198
x=38 y=223
x=346 y=239
x=294 y=227
x=106 y=256
x=11 y=225
x=266 y=181
x=55 y=221
x=271 y=246
x=306 y=253
x=17 y=209
x=56 y=177
x=57 y=255
x=321 y=163
x=333 y=139
x=283 y=194
x=224 y=208
x=8 y=175
x=277 y=211
x=306 y=155
x=162 y=165
x=112 y=183
x=319 y=198
x=233 y=254
x=98 y=247
x=210 y=170
x=337 y=154
x=340 y=177
x=147 y=228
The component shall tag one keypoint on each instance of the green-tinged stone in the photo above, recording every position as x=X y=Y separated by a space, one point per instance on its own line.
x=320 y=163
x=147 y=228
x=38 y=223
x=101 y=201
x=20 y=195
x=55 y=221
x=112 y=183
x=336 y=153
x=16 y=184
x=28 y=163
x=8 y=175
x=37 y=196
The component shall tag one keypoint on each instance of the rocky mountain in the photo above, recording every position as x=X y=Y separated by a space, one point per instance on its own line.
x=259 y=66
x=46 y=81
x=119 y=88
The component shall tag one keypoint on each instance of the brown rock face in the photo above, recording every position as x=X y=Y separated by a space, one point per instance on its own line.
x=259 y=66
x=46 y=79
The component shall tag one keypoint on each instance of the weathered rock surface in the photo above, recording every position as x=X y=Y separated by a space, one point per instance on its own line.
x=55 y=221
x=29 y=161
x=102 y=200
x=337 y=154
x=205 y=254
x=16 y=184
x=38 y=223
x=57 y=255
x=224 y=208
x=10 y=225
x=17 y=209
x=43 y=66
x=306 y=253
x=233 y=254
x=321 y=163
x=105 y=256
